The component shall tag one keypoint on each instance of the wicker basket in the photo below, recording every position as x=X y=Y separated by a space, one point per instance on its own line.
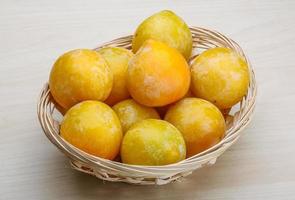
x=50 y=118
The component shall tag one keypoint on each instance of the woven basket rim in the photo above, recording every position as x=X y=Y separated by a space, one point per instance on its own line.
x=202 y=39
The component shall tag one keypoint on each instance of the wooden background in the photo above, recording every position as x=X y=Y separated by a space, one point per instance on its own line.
x=261 y=165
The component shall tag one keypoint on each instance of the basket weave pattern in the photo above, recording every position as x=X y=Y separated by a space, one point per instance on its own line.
x=50 y=119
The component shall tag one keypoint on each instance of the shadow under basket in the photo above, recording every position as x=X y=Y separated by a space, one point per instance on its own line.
x=50 y=118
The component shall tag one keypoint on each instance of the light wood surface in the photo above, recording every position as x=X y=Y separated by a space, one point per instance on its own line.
x=261 y=165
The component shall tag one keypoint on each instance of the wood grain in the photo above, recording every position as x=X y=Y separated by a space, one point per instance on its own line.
x=33 y=34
